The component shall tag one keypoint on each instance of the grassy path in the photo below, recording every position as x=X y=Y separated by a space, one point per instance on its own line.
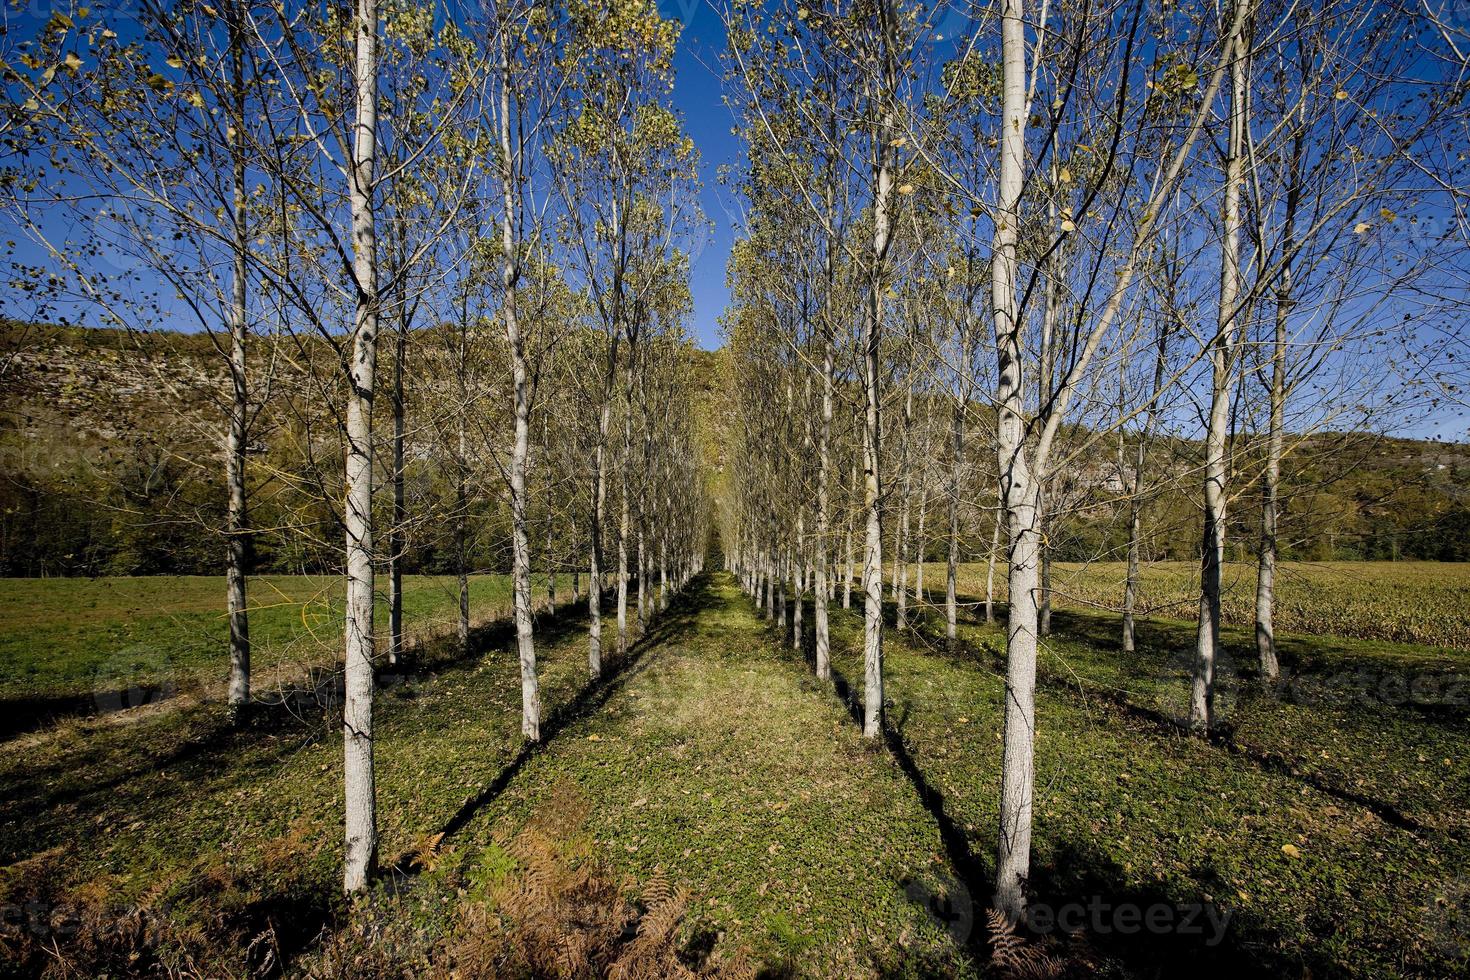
x=718 y=760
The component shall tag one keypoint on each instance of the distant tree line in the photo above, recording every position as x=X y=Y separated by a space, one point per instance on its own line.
x=132 y=504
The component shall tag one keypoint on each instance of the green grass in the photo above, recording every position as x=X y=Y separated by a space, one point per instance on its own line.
x=70 y=637
x=1127 y=806
x=714 y=757
x=175 y=812
x=1412 y=602
x=720 y=759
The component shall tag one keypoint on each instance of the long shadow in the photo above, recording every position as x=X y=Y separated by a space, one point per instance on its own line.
x=1222 y=737
x=22 y=715
x=27 y=714
x=683 y=610
x=1297 y=654
x=217 y=740
x=303 y=712
x=1092 y=889
x=301 y=920
x=967 y=867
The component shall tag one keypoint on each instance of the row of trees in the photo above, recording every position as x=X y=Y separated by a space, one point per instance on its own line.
x=1002 y=268
x=493 y=202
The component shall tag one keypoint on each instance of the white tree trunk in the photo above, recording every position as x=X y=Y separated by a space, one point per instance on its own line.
x=901 y=553
x=990 y=561
x=520 y=385
x=799 y=571
x=872 y=442
x=782 y=567
x=1043 y=613
x=624 y=513
x=396 y=542
x=237 y=438
x=547 y=556
x=599 y=505
x=1130 y=582
x=956 y=470
x=916 y=554
x=663 y=571
x=824 y=519
x=1271 y=479
x=1222 y=369
x=848 y=555
x=357 y=712
x=462 y=532
x=1013 y=854
x=1135 y=501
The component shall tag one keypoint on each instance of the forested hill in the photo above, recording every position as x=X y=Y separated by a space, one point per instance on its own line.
x=108 y=443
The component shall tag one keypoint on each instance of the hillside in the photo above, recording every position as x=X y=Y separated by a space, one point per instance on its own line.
x=107 y=440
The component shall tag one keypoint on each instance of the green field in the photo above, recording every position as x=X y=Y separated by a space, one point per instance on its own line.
x=1326 y=826
x=1415 y=602
x=71 y=637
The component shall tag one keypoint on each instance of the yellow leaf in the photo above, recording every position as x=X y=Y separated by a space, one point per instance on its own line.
x=1067 y=225
x=1386 y=214
x=73 y=61
x=174 y=61
x=1291 y=850
x=1065 y=176
x=594 y=738
x=906 y=189
x=1341 y=94
x=1361 y=227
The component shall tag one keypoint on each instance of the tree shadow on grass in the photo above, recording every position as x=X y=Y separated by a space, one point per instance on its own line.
x=210 y=748
x=679 y=619
x=1088 y=909
x=1223 y=736
x=31 y=713
x=286 y=719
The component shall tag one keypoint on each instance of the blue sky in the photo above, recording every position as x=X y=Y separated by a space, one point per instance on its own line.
x=698 y=93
